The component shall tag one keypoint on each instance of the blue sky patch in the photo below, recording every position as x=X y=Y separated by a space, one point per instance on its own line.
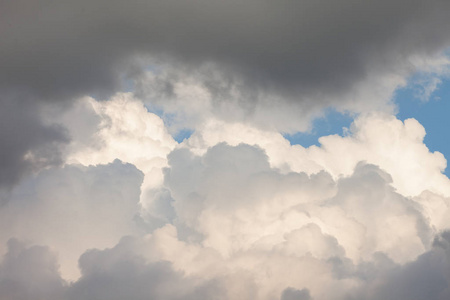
x=432 y=114
x=333 y=122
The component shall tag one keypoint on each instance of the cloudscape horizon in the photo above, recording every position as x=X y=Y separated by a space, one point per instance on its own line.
x=208 y=149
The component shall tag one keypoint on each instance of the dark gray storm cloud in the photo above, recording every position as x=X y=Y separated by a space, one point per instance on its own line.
x=27 y=143
x=64 y=48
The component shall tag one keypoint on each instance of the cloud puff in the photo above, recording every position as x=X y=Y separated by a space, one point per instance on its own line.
x=30 y=273
x=73 y=209
x=425 y=278
x=29 y=143
x=376 y=138
x=236 y=202
x=121 y=128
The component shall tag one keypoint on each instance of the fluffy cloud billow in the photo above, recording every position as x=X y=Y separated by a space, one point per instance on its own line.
x=104 y=196
x=233 y=212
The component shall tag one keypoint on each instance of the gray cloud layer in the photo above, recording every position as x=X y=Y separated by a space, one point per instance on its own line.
x=76 y=47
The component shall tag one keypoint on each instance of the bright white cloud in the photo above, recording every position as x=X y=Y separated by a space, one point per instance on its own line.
x=236 y=202
x=376 y=138
x=234 y=212
x=124 y=129
x=121 y=128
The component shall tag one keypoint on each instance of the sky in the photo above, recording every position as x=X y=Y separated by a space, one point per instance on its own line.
x=208 y=149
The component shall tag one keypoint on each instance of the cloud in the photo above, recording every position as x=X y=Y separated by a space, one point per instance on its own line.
x=376 y=138
x=30 y=273
x=29 y=143
x=272 y=65
x=73 y=209
x=262 y=60
x=293 y=294
x=120 y=273
x=285 y=43
x=311 y=192
x=233 y=199
x=254 y=218
x=121 y=128
x=100 y=202
x=425 y=278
